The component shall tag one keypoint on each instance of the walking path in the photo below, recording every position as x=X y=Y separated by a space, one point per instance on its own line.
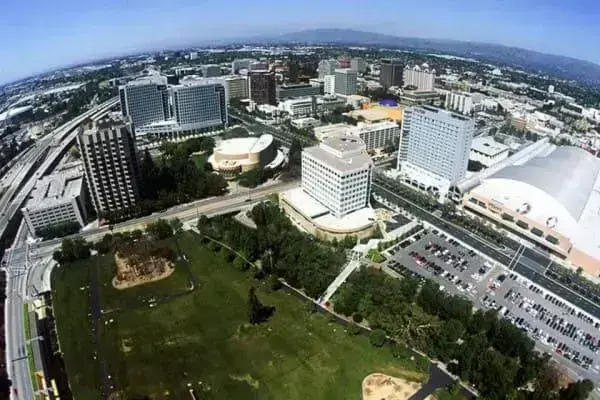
x=352 y=266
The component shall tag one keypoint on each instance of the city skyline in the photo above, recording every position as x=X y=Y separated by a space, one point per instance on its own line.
x=44 y=36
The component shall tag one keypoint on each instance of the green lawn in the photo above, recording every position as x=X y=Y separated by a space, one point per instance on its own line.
x=202 y=337
x=444 y=394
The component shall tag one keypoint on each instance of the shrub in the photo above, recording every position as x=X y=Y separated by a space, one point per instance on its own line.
x=274 y=283
x=358 y=318
x=377 y=337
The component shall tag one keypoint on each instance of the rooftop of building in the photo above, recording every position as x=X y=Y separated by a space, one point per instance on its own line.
x=148 y=80
x=559 y=189
x=342 y=152
x=442 y=112
x=57 y=188
x=488 y=146
x=240 y=146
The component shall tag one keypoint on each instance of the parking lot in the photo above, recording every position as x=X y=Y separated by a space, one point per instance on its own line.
x=434 y=255
x=570 y=334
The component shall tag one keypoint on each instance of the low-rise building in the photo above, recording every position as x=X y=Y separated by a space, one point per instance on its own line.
x=57 y=199
x=305 y=123
x=288 y=91
x=374 y=135
x=487 y=151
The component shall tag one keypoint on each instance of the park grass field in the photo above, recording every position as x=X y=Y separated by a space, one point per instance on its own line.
x=201 y=338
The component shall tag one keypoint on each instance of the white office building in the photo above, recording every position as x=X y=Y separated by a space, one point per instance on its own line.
x=337 y=173
x=420 y=78
x=463 y=102
x=327 y=67
x=487 y=151
x=435 y=147
x=145 y=101
x=345 y=81
x=374 y=135
x=329 y=84
x=57 y=199
x=243 y=63
x=358 y=64
x=308 y=106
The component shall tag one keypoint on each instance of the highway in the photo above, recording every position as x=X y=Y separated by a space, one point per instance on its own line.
x=35 y=162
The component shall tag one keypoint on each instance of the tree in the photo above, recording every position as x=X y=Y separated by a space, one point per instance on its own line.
x=579 y=390
x=160 y=229
x=358 y=318
x=257 y=312
x=377 y=337
x=176 y=225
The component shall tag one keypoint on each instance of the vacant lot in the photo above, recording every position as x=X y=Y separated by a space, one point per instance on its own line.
x=200 y=337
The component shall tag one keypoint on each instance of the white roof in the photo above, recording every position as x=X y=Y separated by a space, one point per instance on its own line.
x=561 y=188
x=238 y=146
x=488 y=146
x=57 y=188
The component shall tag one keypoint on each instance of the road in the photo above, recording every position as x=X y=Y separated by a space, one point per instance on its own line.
x=29 y=269
x=50 y=147
x=34 y=163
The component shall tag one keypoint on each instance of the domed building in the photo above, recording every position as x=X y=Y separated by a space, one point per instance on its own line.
x=234 y=156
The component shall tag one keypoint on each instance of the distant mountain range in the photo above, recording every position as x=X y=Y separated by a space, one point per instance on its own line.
x=528 y=60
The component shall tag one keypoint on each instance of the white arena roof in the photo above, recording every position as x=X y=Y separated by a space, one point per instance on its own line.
x=241 y=146
x=561 y=188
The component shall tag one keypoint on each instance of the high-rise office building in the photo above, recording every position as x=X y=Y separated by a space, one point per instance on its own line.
x=434 y=148
x=327 y=67
x=422 y=79
x=263 y=87
x=345 y=81
x=337 y=173
x=329 y=84
x=110 y=163
x=145 y=100
x=358 y=64
x=390 y=72
x=198 y=104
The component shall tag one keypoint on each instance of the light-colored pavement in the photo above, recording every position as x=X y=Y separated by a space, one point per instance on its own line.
x=350 y=267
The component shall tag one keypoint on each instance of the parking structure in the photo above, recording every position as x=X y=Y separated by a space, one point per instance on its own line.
x=558 y=327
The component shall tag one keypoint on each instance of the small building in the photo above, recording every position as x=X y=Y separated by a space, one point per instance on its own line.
x=305 y=123
x=57 y=199
x=487 y=151
x=374 y=135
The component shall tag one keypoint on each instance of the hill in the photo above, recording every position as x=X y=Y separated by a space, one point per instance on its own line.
x=532 y=61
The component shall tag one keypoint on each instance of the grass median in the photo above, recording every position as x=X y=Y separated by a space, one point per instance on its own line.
x=202 y=338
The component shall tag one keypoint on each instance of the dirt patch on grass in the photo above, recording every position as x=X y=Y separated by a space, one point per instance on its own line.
x=246 y=378
x=384 y=387
x=136 y=269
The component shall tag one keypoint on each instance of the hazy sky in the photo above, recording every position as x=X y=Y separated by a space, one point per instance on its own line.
x=37 y=35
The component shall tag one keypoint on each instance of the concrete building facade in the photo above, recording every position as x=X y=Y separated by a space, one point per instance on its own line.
x=329 y=84
x=390 y=72
x=345 y=81
x=291 y=91
x=337 y=173
x=262 y=87
x=435 y=147
x=57 y=199
x=145 y=100
x=327 y=67
x=110 y=163
x=422 y=79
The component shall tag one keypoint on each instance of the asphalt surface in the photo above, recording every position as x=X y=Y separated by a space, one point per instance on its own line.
x=528 y=262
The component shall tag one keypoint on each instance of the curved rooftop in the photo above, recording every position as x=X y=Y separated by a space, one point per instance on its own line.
x=567 y=175
x=241 y=146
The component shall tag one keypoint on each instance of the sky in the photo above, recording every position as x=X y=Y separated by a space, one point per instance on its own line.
x=38 y=35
